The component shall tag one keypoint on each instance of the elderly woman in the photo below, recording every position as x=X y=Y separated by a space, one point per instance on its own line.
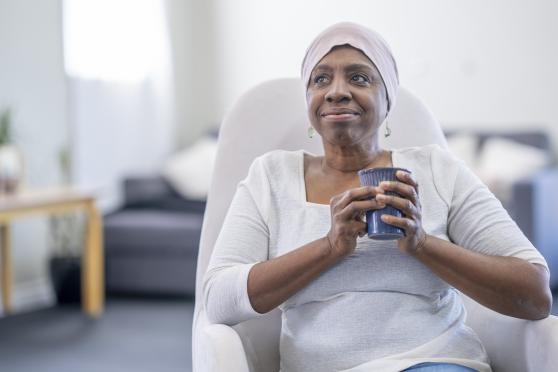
x=294 y=236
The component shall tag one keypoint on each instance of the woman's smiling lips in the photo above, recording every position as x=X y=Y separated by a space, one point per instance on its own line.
x=339 y=114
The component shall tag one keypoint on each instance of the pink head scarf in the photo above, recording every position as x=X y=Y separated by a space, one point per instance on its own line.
x=367 y=41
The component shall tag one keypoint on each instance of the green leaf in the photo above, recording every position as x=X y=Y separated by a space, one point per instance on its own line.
x=5 y=123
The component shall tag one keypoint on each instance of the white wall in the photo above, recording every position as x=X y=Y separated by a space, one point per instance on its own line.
x=198 y=82
x=473 y=62
x=33 y=84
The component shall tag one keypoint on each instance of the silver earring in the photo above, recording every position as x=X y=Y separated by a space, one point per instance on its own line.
x=388 y=130
x=311 y=132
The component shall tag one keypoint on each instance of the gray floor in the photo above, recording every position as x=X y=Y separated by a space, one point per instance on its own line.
x=133 y=335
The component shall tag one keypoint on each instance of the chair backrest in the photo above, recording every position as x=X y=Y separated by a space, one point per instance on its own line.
x=272 y=116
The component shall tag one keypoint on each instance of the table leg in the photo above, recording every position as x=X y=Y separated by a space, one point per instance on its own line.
x=5 y=257
x=92 y=277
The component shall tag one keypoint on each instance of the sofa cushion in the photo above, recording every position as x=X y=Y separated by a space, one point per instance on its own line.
x=152 y=233
x=170 y=203
x=154 y=192
x=131 y=274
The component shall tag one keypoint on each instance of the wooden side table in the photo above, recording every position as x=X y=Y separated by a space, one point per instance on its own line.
x=49 y=202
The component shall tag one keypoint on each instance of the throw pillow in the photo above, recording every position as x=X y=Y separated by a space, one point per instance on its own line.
x=503 y=162
x=190 y=170
x=464 y=146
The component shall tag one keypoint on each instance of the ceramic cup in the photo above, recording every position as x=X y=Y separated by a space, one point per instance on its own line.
x=377 y=229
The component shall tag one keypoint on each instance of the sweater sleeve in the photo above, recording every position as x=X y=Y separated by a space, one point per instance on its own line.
x=476 y=218
x=242 y=242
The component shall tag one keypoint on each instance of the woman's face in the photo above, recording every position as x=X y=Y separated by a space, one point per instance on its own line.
x=346 y=97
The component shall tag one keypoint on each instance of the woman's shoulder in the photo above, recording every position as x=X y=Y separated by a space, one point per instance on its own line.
x=279 y=160
x=425 y=150
x=275 y=165
x=430 y=156
x=436 y=164
x=274 y=174
x=279 y=155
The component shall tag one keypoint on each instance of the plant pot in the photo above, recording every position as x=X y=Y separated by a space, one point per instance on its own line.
x=11 y=169
x=65 y=276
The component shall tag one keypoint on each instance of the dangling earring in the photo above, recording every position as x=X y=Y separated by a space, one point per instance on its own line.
x=311 y=132
x=387 y=133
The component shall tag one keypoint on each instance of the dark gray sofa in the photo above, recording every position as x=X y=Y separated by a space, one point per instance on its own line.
x=534 y=200
x=151 y=242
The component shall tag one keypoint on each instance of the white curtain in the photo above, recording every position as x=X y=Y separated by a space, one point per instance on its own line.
x=119 y=66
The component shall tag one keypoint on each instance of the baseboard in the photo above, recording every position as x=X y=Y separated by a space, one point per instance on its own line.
x=31 y=295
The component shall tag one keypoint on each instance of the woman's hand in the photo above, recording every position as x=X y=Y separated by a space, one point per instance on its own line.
x=347 y=217
x=409 y=205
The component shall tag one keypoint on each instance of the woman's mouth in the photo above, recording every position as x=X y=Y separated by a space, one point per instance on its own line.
x=340 y=116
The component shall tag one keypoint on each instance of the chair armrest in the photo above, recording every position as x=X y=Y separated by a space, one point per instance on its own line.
x=515 y=345
x=216 y=347
x=542 y=344
x=224 y=349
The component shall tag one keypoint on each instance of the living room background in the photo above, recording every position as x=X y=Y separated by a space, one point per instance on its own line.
x=473 y=63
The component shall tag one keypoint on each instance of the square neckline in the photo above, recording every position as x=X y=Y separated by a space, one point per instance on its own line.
x=302 y=182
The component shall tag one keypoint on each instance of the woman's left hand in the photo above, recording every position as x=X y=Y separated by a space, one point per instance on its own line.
x=409 y=205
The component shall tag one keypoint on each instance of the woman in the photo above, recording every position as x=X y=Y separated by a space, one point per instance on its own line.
x=294 y=236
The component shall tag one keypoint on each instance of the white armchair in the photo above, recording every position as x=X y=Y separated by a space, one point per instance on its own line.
x=273 y=116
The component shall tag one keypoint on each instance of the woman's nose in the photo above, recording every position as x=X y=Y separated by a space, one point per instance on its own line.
x=338 y=91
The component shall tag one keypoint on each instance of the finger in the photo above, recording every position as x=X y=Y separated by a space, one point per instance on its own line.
x=404 y=205
x=358 y=193
x=353 y=228
x=356 y=208
x=405 y=190
x=361 y=216
x=404 y=223
x=360 y=228
x=406 y=177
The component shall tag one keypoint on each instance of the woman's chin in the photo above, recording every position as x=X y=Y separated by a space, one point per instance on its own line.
x=342 y=138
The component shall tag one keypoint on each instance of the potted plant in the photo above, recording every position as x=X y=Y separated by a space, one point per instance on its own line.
x=64 y=264
x=66 y=238
x=11 y=159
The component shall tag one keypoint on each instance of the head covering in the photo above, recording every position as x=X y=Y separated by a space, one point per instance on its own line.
x=367 y=41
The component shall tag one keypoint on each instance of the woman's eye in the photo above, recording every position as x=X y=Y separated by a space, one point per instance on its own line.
x=320 y=79
x=359 y=78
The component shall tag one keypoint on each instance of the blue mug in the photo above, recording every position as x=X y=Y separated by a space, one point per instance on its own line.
x=378 y=229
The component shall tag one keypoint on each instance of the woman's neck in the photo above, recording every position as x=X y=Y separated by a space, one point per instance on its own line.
x=348 y=161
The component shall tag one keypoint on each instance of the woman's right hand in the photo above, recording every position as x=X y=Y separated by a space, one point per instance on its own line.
x=347 y=217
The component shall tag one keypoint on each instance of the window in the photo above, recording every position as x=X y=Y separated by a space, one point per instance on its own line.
x=115 y=40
